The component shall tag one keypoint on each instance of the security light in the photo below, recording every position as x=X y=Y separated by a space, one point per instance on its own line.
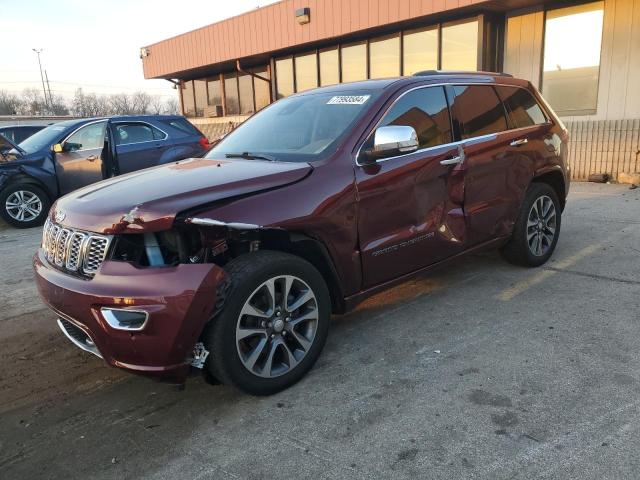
x=303 y=15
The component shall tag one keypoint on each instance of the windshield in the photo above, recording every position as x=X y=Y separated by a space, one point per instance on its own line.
x=296 y=129
x=42 y=139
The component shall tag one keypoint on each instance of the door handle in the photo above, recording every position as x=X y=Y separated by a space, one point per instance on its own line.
x=92 y=158
x=517 y=143
x=454 y=160
x=451 y=160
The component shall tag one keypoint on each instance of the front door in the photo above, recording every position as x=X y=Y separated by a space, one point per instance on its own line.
x=410 y=206
x=138 y=145
x=81 y=161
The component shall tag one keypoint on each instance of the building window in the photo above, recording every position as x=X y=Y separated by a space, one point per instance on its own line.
x=354 y=62
x=306 y=72
x=573 y=37
x=261 y=88
x=329 y=66
x=188 y=105
x=460 y=46
x=284 y=77
x=231 y=94
x=420 y=50
x=214 y=92
x=245 y=90
x=384 y=57
x=200 y=87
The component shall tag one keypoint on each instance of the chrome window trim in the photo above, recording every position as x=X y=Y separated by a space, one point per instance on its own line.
x=166 y=135
x=451 y=144
x=80 y=128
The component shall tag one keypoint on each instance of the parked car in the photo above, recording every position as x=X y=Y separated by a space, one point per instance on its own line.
x=19 y=133
x=235 y=261
x=71 y=154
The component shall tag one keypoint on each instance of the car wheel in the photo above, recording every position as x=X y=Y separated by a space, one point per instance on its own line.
x=24 y=205
x=537 y=228
x=273 y=324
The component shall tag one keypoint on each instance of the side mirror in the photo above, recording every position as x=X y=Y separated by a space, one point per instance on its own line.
x=392 y=140
x=57 y=148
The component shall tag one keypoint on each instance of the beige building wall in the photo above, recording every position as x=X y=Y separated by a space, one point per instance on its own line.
x=607 y=141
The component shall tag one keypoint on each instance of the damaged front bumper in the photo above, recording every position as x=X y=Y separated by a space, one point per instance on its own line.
x=177 y=302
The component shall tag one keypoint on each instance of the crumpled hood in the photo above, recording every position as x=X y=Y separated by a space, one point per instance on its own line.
x=150 y=199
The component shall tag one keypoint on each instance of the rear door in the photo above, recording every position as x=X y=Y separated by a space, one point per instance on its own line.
x=138 y=145
x=81 y=161
x=410 y=206
x=489 y=167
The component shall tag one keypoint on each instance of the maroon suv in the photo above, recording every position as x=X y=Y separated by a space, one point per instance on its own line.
x=234 y=262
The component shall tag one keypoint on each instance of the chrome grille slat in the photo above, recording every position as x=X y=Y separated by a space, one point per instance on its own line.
x=74 y=250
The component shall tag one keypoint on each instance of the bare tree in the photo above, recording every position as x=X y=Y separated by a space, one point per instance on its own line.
x=120 y=104
x=10 y=103
x=155 y=106
x=58 y=105
x=171 y=106
x=140 y=101
x=32 y=102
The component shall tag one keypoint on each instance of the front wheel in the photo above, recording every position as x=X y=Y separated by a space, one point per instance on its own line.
x=273 y=324
x=537 y=228
x=24 y=205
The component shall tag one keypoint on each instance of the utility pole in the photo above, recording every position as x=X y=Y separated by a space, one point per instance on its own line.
x=44 y=91
x=49 y=89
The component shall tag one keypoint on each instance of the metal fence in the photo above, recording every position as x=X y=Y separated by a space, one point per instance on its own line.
x=604 y=146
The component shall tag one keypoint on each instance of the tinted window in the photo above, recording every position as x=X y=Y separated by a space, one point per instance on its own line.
x=261 y=88
x=354 y=62
x=329 y=67
x=426 y=111
x=522 y=108
x=478 y=110
x=87 y=138
x=284 y=77
x=460 y=46
x=188 y=104
x=182 y=125
x=245 y=88
x=126 y=133
x=231 y=94
x=420 y=50
x=306 y=72
x=384 y=57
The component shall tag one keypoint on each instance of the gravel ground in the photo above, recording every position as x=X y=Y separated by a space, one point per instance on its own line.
x=477 y=370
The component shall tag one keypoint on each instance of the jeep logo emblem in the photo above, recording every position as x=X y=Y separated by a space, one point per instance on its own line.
x=60 y=216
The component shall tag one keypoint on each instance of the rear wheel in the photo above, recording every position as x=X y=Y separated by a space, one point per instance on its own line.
x=273 y=324
x=537 y=228
x=24 y=205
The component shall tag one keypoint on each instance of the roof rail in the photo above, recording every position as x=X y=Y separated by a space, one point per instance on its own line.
x=428 y=73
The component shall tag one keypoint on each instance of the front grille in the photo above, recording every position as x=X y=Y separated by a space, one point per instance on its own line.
x=73 y=250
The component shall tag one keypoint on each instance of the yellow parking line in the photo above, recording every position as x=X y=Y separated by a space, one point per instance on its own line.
x=520 y=287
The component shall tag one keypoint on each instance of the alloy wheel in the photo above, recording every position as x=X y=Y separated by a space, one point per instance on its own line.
x=277 y=326
x=23 y=205
x=541 y=226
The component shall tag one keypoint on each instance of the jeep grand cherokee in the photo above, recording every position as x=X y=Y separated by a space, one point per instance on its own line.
x=234 y=262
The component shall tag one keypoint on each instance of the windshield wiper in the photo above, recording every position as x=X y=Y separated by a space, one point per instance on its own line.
x=250 y=156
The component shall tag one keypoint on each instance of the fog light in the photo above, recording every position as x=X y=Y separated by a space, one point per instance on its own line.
x=120 y=319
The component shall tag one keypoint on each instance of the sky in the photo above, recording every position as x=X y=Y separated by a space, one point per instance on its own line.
x=95 y=44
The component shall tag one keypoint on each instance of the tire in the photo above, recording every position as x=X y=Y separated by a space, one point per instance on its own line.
x=291 y=337
x=534 y=237
x=24 y=194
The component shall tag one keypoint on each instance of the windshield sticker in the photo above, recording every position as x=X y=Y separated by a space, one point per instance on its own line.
x=348 y=100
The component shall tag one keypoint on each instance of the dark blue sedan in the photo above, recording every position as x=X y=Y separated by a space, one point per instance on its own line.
x=71 y=154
